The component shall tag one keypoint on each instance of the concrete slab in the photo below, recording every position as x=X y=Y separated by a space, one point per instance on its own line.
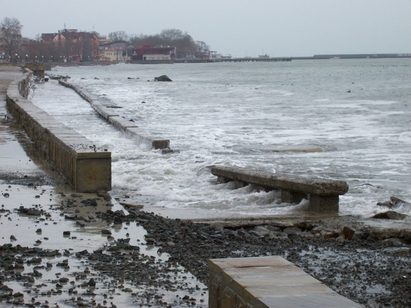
x=106 y=109
x=121 y=123
x=268 y=282
x=106 y=112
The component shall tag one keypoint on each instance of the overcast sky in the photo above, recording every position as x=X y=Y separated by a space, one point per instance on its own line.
x=236 y=27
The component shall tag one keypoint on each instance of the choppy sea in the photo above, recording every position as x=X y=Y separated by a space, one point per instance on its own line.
x=336 y=119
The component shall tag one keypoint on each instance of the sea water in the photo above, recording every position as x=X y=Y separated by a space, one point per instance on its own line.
x=333 y=119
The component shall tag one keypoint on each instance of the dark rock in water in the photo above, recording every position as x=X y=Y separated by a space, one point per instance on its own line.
x=105 y=231
x=393 y=203
x=29 y=211
x=117 y=220
x=89 y=202
x=91 y=282
x=390 y=215
x=162 y=78
x=5 y=289
x=70 y=216
x=63 y=280
x=33 y=212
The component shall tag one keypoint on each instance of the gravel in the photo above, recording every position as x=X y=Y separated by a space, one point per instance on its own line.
x=369 y=267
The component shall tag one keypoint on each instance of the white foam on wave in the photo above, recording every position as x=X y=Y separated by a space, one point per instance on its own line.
x=213 y=116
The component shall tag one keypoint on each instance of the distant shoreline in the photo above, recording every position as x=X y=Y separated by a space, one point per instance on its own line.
x=356 y=56
x=49 y=65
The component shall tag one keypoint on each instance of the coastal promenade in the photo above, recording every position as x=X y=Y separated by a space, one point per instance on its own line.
x=8 y=73
x=12 y=154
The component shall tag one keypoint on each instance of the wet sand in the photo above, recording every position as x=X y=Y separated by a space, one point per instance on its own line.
x=65 y=249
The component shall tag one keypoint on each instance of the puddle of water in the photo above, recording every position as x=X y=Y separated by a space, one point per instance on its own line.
x=46 y=231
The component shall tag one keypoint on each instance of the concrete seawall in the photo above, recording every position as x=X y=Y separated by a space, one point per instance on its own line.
x=87 y=168
x=106 y=109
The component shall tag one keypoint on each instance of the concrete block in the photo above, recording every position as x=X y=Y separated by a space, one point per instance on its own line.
x=142 y=136
x=321 y=204
x=267 y=282
x=93 y=171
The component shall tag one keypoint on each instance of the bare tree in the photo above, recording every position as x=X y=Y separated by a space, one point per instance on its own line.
x=10 y=35
x=184 y=43
x=202 y=47
x=171 y=35
x=118 y=36
x=186 y=47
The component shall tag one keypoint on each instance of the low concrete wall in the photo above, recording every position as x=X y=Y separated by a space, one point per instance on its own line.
x=265 y=282
x=323 y=195
x=106 y=109
x=77 y=158
x=37 y=69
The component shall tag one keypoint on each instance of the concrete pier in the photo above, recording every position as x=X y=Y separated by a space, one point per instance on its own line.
x=267 y=282
x=106 y=109
x=87 y=168
x=322 y=194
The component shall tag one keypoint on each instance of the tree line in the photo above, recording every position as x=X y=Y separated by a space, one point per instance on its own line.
x=14 y=50
x=185 y=45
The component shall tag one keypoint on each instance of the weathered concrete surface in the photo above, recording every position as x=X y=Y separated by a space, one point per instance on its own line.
x=85 y=167
x=322 y=194
x=264 y=282
x=107 y=110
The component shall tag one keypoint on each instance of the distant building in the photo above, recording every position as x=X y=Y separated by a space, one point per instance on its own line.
x=118 y=51
x=202 y=55
x=73 y=45
x=150 y=53
x=102 y=40
x=113 y=55
x=214 y=55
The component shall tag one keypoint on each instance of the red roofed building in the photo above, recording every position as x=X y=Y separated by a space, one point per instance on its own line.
x=149 y=53
x=72 y=45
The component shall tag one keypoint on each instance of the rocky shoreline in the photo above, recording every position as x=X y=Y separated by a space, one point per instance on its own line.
x=362 y=265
